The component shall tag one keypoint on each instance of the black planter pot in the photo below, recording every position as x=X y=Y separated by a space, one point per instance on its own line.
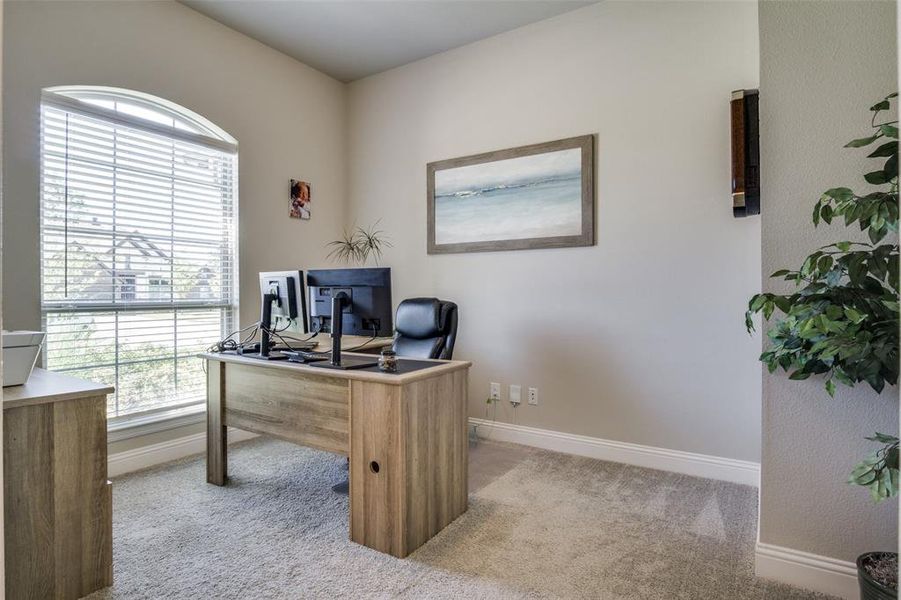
x=870 y=589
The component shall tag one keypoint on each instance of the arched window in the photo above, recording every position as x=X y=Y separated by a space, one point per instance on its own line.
x=138 y=244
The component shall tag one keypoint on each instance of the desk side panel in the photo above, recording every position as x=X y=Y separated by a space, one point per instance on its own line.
x=58 y=507
x=28 y=501
x=437 y=454
x=377 y=494
x=82 y=503
x=309 y=410
x=417 y=435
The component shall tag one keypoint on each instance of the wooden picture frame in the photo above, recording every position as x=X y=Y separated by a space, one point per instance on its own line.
x=462 y=192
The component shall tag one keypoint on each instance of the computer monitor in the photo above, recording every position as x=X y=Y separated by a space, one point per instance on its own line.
x=282 y=304
x=362 y=298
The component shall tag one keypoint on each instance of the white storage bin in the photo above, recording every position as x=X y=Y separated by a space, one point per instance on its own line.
x=20 y=352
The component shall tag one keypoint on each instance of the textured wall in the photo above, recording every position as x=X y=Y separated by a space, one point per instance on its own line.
x=822 y=64
x=640 y=337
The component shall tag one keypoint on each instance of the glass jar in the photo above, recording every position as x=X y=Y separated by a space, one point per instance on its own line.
x=388 y=361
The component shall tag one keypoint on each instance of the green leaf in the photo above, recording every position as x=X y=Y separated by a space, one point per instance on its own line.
x=782 y=303
x=875 y=235
x=863 y=141
x=891 y=167
x=884 y=105
x=780 y=273
x=853 y=315
x=882 y=438
x=889 y=130
x=887 y=149
x=876 y=177
x=756 y=302
x=830 y=387
x=839 y=194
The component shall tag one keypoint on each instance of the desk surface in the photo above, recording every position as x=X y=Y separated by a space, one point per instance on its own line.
x=441 y=367
x=47 y=386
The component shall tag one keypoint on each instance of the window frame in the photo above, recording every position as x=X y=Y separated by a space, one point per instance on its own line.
x=212 y=137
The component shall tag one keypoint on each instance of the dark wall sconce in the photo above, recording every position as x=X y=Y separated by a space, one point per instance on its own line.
x=745 y=154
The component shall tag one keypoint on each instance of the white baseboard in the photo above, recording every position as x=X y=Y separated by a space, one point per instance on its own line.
x=154 y=454
x=689 y=463
x=811 y=571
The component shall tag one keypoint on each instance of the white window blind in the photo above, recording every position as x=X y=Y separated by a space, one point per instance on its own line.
x=138 y=234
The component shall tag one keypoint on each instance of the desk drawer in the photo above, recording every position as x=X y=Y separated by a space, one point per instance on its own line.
x=305 y=409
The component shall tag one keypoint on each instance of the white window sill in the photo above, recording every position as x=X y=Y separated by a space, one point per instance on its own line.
x=139 y=425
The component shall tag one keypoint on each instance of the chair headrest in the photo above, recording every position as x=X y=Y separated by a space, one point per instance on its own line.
x=420 y=318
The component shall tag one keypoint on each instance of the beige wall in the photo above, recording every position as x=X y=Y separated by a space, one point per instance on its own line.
x=822 y=65
x=288 y=120
x=638 y=338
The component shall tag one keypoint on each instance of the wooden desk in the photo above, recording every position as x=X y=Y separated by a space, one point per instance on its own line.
x=57 y=500
x=405 y=435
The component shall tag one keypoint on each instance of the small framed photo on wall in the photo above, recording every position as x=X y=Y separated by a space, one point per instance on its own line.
x=300 y=200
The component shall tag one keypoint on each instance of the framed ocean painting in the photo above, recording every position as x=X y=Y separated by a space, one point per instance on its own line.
x=538 y=196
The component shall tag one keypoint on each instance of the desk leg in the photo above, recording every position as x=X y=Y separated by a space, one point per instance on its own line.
x=216 y=437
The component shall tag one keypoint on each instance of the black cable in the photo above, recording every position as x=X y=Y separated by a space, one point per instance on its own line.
x=297 y=339
x=227 y=343
x=275 y=333
x=375 y=334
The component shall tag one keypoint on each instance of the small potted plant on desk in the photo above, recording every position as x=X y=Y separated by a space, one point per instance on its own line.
x=842 y=321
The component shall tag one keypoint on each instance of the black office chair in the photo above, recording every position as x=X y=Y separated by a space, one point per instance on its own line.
x=425 y=328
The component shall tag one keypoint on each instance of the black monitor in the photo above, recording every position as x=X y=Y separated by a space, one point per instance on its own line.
x=282 y=305
x=362 y=298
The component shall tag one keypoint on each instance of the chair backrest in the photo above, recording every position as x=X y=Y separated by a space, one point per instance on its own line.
x=425 y=328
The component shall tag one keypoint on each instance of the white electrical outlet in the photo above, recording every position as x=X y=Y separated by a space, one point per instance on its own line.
x=515 y=394
x=494 y=391
x=533 y=396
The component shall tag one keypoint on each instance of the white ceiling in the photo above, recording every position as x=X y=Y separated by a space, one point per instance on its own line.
x=350 y=39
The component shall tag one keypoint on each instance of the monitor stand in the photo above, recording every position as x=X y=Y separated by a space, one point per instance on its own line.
x=336 y=361
x=266 y=323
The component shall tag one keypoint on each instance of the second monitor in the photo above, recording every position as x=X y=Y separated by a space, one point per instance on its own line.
x=362 y=298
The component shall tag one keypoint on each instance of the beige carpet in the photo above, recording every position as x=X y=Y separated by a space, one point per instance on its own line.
x=540 y=525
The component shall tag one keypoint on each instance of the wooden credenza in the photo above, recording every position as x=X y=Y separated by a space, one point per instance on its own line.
x=57 y=500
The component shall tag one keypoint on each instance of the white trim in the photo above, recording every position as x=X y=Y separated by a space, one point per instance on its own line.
x=811 y=571
x=163 y=452
x=144 y=424
x=677 y=461
x=86 y=109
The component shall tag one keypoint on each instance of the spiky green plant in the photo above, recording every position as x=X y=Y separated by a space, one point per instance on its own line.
x=358 y=244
